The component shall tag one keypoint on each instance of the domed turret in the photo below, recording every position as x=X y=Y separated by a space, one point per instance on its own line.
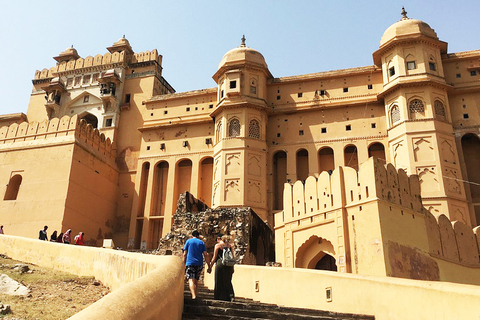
x=242 y=54
x=121 y=45
x=407 y=27
x=69 y=54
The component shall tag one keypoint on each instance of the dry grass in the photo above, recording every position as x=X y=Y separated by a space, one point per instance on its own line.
x=53 y=294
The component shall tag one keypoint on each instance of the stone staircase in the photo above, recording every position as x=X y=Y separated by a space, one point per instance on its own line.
x=205 y=307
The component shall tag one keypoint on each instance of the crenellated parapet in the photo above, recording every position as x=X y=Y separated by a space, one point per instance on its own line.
x=105 y=61
x=346 y=187
x=453 y=240
x=33 y=133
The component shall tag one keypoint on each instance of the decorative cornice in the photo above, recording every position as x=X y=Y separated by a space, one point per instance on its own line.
x=158 y=158
x=321 y=142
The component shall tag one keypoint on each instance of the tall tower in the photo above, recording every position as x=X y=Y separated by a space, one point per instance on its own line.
x=240 y=149
x=420 y=133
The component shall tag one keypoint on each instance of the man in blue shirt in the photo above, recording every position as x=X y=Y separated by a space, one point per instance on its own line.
x=193 y=253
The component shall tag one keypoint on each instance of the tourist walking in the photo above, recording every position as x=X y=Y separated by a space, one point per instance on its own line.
x=42 y=234
x=224 y=269
x=193 y=253
x=53 y=237
x=67 y=236
x=80 y=239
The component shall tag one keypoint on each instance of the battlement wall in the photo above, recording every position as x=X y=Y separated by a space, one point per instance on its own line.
x=107 y=61
x=33 y=133
x=345 y=187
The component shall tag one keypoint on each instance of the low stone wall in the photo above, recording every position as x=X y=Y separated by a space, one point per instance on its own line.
x=144 y=286
x=386 y=298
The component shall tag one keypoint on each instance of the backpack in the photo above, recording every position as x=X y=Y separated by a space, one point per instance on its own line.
x=227 y=257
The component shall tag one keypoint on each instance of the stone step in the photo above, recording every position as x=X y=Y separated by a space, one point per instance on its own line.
x=205 y=307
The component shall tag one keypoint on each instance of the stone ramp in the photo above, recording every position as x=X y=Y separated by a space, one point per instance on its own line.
x=205 y=307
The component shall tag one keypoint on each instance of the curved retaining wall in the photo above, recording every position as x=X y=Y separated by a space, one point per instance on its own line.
x=144 y=286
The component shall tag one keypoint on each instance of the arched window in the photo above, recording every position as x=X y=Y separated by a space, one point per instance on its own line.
x=395 y=114
x=417 y=109
x=234 y=128
x=439 y=110
x=254 y=129
x=13 y=187
x=219 y=132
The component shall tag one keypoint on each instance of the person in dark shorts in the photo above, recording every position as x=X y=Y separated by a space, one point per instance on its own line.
x=193 y=253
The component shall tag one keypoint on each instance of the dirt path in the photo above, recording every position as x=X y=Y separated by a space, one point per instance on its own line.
x=53 y=294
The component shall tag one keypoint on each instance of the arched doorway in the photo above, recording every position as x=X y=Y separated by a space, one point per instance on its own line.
x=205 y=183
x=471 y=155
x=279 y=178
x=183 y=177
x=327 y=262
x=377 y=150
x=326 y=159
x=302 y=164
x=91 y=119
x=312 y=251
x=351 y=157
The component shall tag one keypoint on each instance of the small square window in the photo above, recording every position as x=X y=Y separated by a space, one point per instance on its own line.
x=127 y=98
x=300 y=94
x=221 y=94
x=300 y=132
x=188 y=109
x=465 y=116
x=253 y=90
x=278 y=135
x=196 y=108
x=464 y=106
x=165 y=112
x=348 y=127
x=370 y=87
x=233 y=84
x=85 y=99
x=151 y=114
x=69 y=82
x=278 y=91
x=473 y=73
x=278 y=97
x=210 y=106
x=432 y=66
x=411 y=65
x=148 y=147
x=391 y=71
x=322 y=92
x=374 y=125
x=324 y=130
x=458 y=75
x=108 y=122
x=345 y=89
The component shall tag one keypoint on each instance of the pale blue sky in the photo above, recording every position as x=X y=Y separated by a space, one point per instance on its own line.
x=295 y=37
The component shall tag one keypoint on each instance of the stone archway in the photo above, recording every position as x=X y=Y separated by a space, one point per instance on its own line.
x=312 y=251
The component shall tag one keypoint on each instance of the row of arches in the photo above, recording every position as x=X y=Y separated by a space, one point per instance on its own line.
x=325 y=158
x=184 y=180
x=416 y=110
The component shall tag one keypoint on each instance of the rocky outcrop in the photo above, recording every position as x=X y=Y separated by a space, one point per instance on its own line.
x=251 y=238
